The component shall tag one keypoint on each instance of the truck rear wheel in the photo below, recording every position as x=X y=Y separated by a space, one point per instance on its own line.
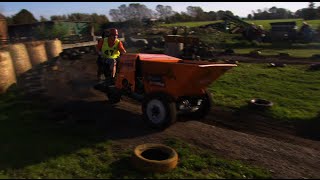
x=159 y=111
x=205 y=107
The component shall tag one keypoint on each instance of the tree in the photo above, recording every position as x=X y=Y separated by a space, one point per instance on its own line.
x=134 y=11
x=58 y=30
x=282 y=13
x=164 y=11
x=272 y=13
x=311 y=5
x=23 y=17
x=79 y=17
x=212 y=16
x=43 y=19
x=98 y=21
x=58 y=17
x=307 y=13
x=116 y=15
x=139 y=11
x=124 y=13
x=273 y=10
x=220 y=15
x=229 y=13
x=194 y=11
x=197 y=13
x=249 y=16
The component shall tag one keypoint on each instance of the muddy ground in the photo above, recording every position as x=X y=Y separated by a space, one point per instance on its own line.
x=240 y=135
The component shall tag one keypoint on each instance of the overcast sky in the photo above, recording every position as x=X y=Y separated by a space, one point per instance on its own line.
x=48 y=9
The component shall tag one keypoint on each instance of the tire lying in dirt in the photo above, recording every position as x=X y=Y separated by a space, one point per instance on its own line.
x=277 y=65
x=260 y=104
x=255 y=53
x=284 y=54
x=314 y=67
x=154 y=158
x=159 y=110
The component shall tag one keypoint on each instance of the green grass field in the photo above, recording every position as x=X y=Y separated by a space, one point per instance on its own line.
x=294 y=90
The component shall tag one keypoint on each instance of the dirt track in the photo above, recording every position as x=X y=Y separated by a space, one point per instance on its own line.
x=234 y=135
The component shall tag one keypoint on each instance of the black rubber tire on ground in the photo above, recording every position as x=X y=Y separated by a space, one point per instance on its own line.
x=156 y=158
x=260 y=104
x=159 y=110
x=205 y=107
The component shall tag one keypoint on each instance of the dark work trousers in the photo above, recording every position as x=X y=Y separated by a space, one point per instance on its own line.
x=100 y=66
x=105 y=67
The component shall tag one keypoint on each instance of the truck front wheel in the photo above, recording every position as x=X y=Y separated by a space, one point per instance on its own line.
x=159 y=111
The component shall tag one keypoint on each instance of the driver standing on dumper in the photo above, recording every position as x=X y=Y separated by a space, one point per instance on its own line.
x=109 y=50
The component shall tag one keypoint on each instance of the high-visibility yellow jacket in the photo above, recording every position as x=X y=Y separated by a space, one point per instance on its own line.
x=110 y=52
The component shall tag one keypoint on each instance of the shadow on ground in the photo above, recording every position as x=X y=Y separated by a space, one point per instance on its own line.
x=32 y=132
x=310 y=128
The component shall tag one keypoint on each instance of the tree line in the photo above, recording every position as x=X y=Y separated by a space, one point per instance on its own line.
x=26 y=17
x=309 y=13
x=140 y=12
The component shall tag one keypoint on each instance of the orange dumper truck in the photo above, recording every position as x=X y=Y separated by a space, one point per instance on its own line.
x=165 y=86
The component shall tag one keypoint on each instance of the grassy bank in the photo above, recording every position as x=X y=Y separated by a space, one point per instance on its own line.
x=294 y=90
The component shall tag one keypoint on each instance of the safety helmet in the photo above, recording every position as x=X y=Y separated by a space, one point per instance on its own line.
x=113 y=32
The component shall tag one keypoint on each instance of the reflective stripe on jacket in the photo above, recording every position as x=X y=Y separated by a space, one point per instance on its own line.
x=110 y=52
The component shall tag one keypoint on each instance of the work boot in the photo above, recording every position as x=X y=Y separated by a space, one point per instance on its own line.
x=99 y=78
x=112 y=82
